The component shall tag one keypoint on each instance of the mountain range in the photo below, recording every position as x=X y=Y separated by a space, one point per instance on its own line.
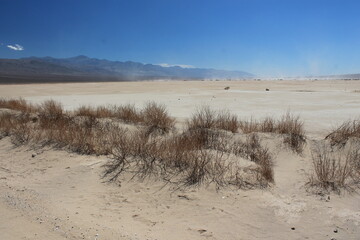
x=83 y=68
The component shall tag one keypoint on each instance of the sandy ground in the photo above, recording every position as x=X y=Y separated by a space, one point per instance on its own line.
x=61 y=195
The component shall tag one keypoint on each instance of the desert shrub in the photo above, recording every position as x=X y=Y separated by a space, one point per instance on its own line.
x=204 y=117
x=21 y=132
x=227 y=121
x=98 y=112
x=249 y=126
x=292 y=127
x=128 y=113
x=50 y=113
x=334 y=171
x=156 y=117
x=289 y=125
x=344 y=132
x=252 y=150
x=19 y=104
x=6 y=124
x=268 y=125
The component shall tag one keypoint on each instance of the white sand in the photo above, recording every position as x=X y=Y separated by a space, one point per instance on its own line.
x=60 y=195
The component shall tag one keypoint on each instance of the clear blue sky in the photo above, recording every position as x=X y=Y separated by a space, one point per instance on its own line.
x=264 y=37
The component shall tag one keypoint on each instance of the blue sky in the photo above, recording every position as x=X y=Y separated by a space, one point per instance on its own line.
x=264 y=37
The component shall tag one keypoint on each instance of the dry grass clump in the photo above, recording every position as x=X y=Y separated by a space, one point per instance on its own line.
x=18 y=127
x=153 y=115
x=251 y=149
x=17 y=104
x=6 y=124
x=334 y=171
x=293 y=129
x=98 y=112
x=289 y=125
x=347 y=130
x=156 y=117
x=205 y=117
x=128 y=113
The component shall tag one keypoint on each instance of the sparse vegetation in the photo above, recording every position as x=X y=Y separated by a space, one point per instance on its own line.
x=347 y=130
x=198 y=155
x=334 y=171
x=290 y=126
x=207 y=118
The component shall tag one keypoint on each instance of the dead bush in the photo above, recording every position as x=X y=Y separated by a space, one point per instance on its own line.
x=252 y=150
x=227 y=122
x=249 y=126
x=290 y=126
x=21 y=131
x=17 y=104
x=204 y=117
x=128 y=113
x=6 y=124
x=268 y=125
x=334 y=171
x=156 y=117
x=98 y=112
x=347 y=130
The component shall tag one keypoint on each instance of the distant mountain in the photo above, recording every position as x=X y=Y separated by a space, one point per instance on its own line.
x=82 y=67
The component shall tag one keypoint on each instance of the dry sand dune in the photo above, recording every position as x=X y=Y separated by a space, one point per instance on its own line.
x=54 y=194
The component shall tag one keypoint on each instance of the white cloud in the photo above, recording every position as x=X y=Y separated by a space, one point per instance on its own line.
x=16 y=47
x=175 y=65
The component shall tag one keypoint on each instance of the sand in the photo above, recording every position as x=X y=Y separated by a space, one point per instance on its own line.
x=61 y=195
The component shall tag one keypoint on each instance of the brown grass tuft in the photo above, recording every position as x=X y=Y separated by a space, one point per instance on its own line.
x=157 y=118
x=334 y=171
x=17 y=104
x=347 y=130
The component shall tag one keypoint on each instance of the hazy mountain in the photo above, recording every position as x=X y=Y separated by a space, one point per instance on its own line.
x=82 y=66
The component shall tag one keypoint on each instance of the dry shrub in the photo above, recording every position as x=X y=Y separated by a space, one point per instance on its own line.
x=268 y=125
x=156 y=117
x=6 y=124
x=250 y=126
x=290 y=126
x=21 y=132
x=17 y=104
x=334 y=171
x=128 y=113
x=50 y=113
x=98 y=112
x=227 y=122
x=252 y=150
x=205 y=117
x=178 y=158
x=347 y=130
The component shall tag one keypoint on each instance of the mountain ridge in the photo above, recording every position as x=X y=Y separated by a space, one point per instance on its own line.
x=84 y=66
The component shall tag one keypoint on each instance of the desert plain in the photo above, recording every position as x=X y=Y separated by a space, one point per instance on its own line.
x=48 y=193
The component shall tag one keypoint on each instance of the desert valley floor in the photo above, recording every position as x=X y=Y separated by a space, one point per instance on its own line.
x=54 y=194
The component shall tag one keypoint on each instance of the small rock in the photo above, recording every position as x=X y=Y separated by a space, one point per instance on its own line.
x=201 y=231
x=33 y=155
x=226 y=88
x=267 y=89
x=292 y=228
x=335 y=231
